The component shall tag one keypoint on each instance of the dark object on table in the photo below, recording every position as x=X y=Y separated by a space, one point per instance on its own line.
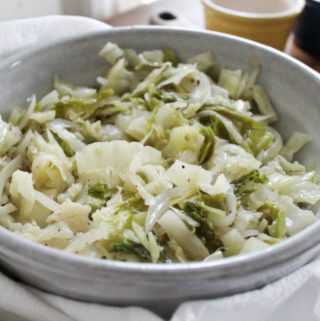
x=307 y=28
x=306 y=40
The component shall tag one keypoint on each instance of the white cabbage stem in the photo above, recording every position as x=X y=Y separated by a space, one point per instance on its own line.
x=231 y=210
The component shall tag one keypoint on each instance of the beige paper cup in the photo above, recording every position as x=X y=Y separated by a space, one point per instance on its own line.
x=265 y=21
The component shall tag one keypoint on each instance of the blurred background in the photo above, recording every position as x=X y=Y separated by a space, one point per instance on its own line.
x=303 y=43
x=116 y=12
x=100 y=9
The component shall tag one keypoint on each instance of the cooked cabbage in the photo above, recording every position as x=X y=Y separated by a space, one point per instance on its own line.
x=161 y=162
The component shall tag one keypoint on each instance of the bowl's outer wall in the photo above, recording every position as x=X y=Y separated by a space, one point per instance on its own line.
x=294 y=90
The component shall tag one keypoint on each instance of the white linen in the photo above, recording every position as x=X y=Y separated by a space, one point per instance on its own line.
x=18 y=34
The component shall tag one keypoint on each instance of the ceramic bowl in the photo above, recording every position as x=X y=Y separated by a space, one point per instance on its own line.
x=294 y=90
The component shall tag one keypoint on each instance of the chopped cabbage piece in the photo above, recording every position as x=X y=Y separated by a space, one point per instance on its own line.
x=264 y=104
x=22 y=192
x=184 y=138
x=294 y=144
x=9 y=136
x=179 y=232
x=111 y=52
x=253 y=244
x=188 y=176
x=230 y=80
x=162 y=161
x=233 y=242
x=73 y=214
x=128 y=246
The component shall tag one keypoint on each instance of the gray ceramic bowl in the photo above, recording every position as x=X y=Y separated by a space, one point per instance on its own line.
x=294 y=89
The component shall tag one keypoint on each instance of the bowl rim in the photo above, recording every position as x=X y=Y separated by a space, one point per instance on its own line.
x=279 y=252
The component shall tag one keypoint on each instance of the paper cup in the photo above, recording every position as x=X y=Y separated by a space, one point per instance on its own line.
x=265 y=21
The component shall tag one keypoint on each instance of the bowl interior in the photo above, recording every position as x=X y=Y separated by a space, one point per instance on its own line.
x=292 y=87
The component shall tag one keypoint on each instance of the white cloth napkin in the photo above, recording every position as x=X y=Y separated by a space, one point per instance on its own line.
x=293 y=298
x=18 y=34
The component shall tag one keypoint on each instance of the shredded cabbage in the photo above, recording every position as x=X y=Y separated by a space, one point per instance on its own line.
x=161 y=162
